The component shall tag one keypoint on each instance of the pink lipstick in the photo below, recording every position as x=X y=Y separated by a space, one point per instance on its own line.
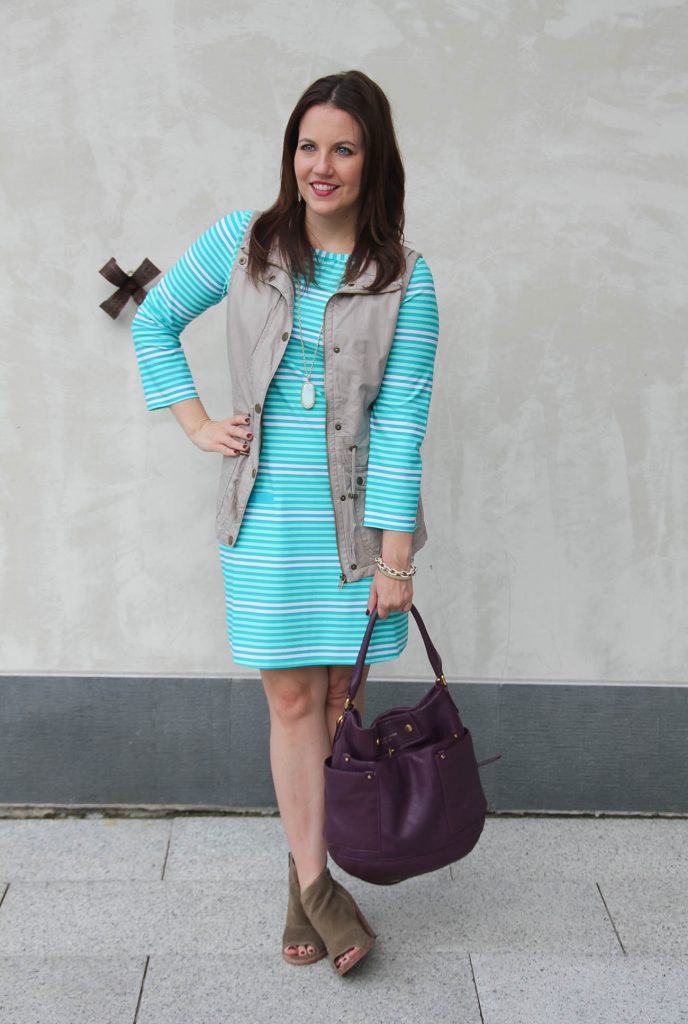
x=322 y=189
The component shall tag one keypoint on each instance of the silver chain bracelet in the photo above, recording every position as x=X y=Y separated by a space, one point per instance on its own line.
x=394 y=574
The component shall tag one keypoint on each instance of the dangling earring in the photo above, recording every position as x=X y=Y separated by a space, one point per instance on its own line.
x=300 y=198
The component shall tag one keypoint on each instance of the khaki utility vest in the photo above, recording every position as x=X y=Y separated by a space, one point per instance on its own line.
x=358 y=329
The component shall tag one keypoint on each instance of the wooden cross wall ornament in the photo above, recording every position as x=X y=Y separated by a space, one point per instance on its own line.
x=130 y=286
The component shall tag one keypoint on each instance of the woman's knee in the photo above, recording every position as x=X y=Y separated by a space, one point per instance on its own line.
x=337 y=687
x=338 y=684
x=294 y=694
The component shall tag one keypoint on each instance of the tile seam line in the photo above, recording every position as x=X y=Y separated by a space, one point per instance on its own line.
x=167 y=849
x=611 y=919
x=475 y=986
x=143 y=982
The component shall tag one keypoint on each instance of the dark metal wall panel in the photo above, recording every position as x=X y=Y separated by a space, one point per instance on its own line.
x=249 y=746
x=109 y=740
x=601 y=748
x=203 y=742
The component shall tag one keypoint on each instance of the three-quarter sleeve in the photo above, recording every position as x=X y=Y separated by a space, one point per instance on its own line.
x=198 y=280
x=400 y=411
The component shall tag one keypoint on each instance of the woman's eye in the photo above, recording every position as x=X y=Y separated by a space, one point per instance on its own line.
x=345 y=150
x=306 y=145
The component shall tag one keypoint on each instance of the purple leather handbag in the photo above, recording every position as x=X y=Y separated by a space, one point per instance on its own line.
x=403 y=796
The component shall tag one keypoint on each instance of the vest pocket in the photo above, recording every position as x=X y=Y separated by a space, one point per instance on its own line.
x=367 y=539
x=225 y=492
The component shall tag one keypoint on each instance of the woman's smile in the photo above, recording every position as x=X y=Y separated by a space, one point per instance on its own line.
x=322 y=189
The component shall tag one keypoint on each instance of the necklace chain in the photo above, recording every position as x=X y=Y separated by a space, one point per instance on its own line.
x=306 y=371
x=308 y=388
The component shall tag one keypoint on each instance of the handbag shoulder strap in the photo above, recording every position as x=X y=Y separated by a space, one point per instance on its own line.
x=433 y=656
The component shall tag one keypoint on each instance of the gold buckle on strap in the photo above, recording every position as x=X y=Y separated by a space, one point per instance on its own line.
x=348 y=704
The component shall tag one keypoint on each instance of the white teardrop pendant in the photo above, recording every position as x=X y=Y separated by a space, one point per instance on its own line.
x=307 y=395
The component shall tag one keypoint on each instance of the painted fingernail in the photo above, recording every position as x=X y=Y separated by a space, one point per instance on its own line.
x=250 y=437
x=247 y=420
x=245 y=446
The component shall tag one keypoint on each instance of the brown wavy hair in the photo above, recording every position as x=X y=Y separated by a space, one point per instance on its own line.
x=381 y=212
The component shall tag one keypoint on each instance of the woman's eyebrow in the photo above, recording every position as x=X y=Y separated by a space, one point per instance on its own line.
x=342 y=142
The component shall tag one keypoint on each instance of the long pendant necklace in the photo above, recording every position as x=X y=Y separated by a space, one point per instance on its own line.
x=308 y=387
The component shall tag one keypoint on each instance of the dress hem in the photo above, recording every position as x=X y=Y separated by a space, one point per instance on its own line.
x=308 y=663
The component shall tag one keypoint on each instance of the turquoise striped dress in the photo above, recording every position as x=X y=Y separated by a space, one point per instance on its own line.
x=285 y=607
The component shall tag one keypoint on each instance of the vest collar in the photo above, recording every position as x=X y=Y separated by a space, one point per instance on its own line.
x=360 y=285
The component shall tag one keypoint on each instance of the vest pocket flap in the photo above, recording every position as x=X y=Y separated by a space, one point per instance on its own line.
x=228 y=474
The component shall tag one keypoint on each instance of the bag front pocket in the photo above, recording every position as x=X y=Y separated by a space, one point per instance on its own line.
x=464 y=799
x=352 y=809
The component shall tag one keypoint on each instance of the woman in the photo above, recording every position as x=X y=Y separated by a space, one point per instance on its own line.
x=332 y=329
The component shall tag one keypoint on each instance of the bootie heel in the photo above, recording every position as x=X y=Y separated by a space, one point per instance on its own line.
x=298 y=930
x=334 y=912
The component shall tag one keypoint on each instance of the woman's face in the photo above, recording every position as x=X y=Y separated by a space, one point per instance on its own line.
x=328 y=162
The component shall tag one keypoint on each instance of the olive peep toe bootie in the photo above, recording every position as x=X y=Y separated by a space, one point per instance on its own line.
x=298 y=930
x=334 y=912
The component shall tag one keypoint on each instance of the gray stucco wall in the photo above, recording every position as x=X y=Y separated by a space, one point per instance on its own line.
x=545 y=146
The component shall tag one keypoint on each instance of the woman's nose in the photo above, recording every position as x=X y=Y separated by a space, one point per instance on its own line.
x=323 y=164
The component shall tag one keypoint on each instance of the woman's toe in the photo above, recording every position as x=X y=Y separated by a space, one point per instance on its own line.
x=345 y=956
x=299 y=950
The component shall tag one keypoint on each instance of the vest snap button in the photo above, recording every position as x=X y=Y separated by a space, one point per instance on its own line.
x=253 y=472
x=342 y=497
x=257 y=407
x=242 y=260
x=230 y=540
x=337 y=426
x=285 y=336
x=336 y=348
x=353 y=566
x=359 y=479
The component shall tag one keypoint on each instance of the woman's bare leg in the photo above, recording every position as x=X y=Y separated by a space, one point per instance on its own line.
x=338 y=686
x=299 y=743
x=304 y=704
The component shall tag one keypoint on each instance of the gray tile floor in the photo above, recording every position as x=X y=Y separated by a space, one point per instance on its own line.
x=166 y=920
